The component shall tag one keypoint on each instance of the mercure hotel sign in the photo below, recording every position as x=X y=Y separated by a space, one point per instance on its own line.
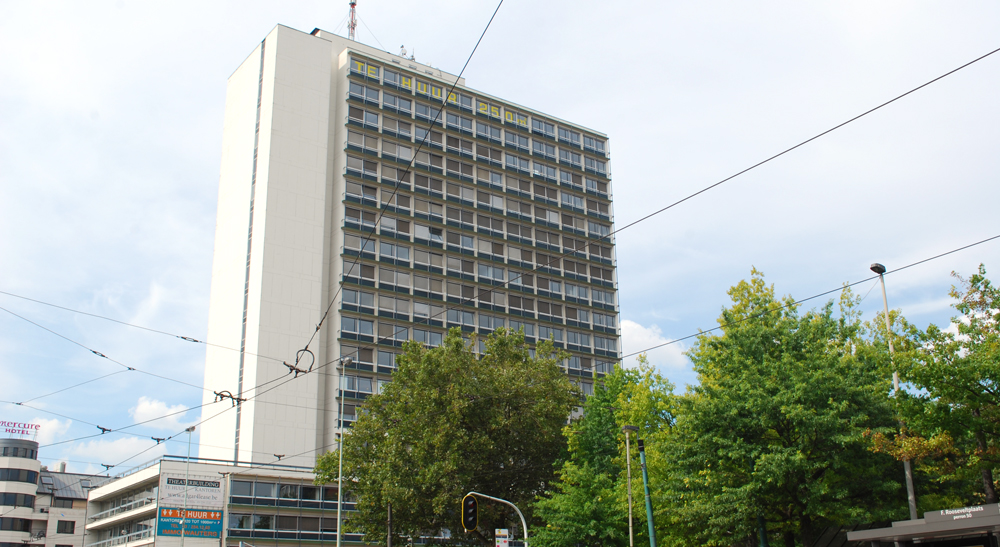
x=19 y=428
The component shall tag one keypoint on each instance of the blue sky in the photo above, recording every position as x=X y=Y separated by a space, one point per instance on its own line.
x=110 y=139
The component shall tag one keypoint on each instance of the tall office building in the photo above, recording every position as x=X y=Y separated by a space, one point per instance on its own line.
x=481 y=199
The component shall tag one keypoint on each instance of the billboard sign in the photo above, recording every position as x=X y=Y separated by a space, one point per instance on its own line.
x=198 y=524
x=180 y=490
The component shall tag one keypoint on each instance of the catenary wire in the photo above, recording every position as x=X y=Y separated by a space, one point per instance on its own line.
x=559 y=256
x=813 y=297
x=373 y=34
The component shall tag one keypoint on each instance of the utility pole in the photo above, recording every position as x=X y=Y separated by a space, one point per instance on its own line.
x=187 y=481
x=649 y=502
x=628 y=466
x=352 y=25
x=911 y=496
x=388 y=538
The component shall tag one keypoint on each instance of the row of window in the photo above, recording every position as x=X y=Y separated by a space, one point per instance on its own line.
x=24 y=525
x=19 y=475
x=17 y=500
x=436 y=92
x=282 y=491
x=18 y=452
x=246 y=521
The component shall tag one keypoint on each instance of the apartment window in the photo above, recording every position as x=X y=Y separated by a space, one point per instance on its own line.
x=428 y=233
x=604 y=367
x=587 y=388
x=397 y=151
x=426 y=159
x=521 y=303
x=399 y=201
x=489 y=223
x=361 y=355
x=240 y=521
x=395 y=225
x=576 y=291
x=391 y=174
x=579 y=363
x=428 y=258
x=578 y=268
x=597 y=186
x=461 y=240
x=606 y=344
x=428 y=284
x=461 y=192
x=393 y=277
x=578 y=339
x=516 y=118
x=515 y=162
x=362 y=141
x=358 y=298
x=427 y=112
x=461 y=146
x=363 y=166
x=27 y=500
x=492 y=200
x=361 y=384
x=462 y=317
x=546 y=192
x=427 y=337
x=386 y=359
x=487 y=131
x=519 y=207
x=456 y=264
x=591 y=143
x=361 y=190
x=548 y=261
x=602 y=320
x=401 y=128
x=605 y=297
x=520 y=279
x=574 y=244
x=488 y=271
x=583 y=316
x=426 y=136
x=543 y=148
x=65 y=527
x=459 y=122
x=363 y=116
x=398 y=80
x=515 y=253
x=528 y=328
x=571 y=221
x=363 y=92
x=568 y=156
x=459 y=215
x=598 y=207
x=544 y=171
x=463 y=101
x=491 y=322
x=517 y=141
x=543 y=127
x=547 y=215
x=457 y=290
x=354 y=269
x=398 y=252
x=566 y=177
x=365 y=218
x=365 y=69
x=489 y=154
x=488 y=109
x=428 y=183
x=549 y=238
x=357 y=326
x=429 y=208
x=359 y=244
x=602 y=251
x=549 y=308
x=566 y=135
x=596 y=228
x=602 y=273
x=549 y=333
x=389 y=331
x=519 y=230
x=596 y=165
x=551 y=285
x=394 y=305
x=427 y=311
x=429 y=89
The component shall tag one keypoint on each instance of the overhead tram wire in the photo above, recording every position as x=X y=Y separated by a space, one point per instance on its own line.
x=72 y=386
x=606 y=237
x=813 y=297
x=395 y=188
x=372 y=33
x=113 y=320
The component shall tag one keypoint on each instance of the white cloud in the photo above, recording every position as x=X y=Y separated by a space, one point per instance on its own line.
x=636 y=337
x=149 y=409
x=122 y=452
x=50 y=429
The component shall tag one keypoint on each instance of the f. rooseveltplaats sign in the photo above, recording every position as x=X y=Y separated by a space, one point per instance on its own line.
x=19 y=428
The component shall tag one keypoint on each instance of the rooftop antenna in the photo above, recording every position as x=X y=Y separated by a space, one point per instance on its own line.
x=353 y=23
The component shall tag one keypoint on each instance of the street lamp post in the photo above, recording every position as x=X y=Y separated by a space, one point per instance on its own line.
x=344 y=363
x=187 y=480
x=911 y=495
x=628 y=466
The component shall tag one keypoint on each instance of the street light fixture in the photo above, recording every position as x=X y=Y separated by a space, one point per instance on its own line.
x=344 y=363
x=911 y=496
x=628 y=466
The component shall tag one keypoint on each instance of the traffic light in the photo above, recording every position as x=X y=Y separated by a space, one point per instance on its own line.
x=470 y=513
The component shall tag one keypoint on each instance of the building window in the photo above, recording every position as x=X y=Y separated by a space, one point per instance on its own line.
x=364 y=69
x=565 y=135
x=358 y=326
x=596 y=166
x=361 y=166
x=576 y=291
x=398 y=80
x=20 y=475
x=459 y=169
x=65 y=527
x=393 y=305
x=386 y=359
x=515 y=118
x=544 y=149
x=568 y=156
x=427 y=183
x=605 y=297
x=427 y=112
x=427 y=337
x=521 y=164
x=463 y=101
x=572 y=200
x=606 y=344
x=430 y=90
x=488 y=109
x=520 y=303
x=361 y=355
x=27 y=500
x=596 y=145
x=461 y=192
x=520 y=279
x=549 y=333
x=428 y=258
x=487 y=131
x=490 y=322
x=400 y=128
x=516 y=141
x=263 y=522
x=362 y=116
x=360 y=384
x=598 y=229
x=546 y=192
x=528 y=328
x=398 y=252
x=544 y=171
x=428 y=233
x=597 y=186
x=364 y=93
x=566 y=177
x=355 y=269
x=461 y=146
x=428 y=284
x=462 y=317
x=578 y=339
x=488 y=271
x=63 y=503
x=427 y=311
x=602 y=320
x=517 y=230
x=551 y=285
x=461 y=240
x=543 y=127
x=393 y=277
x=458 y=122
x=598 y=207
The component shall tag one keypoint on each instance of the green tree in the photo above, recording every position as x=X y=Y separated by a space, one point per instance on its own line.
x=587 y=506
x=449 y=423
x=953 y=413
x=776 y=427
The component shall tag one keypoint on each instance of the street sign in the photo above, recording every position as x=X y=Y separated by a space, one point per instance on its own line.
x=502 y=536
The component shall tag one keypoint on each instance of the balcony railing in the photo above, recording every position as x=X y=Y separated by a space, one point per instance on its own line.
x=123 y=508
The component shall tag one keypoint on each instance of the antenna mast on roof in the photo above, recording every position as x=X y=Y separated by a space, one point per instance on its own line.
x=353 y=23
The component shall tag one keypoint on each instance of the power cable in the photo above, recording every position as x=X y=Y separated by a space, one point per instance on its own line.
x=73 y=386
x=373 y=34
x=797 y=302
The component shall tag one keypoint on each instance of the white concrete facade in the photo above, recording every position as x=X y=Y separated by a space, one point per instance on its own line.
x=280 y=240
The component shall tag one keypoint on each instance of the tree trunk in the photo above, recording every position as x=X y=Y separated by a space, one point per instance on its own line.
x=789 y=539
x=806 y=530
x=987 y=473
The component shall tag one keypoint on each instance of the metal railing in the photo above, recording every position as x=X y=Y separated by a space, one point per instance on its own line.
x=123 y=508
x=121 y=540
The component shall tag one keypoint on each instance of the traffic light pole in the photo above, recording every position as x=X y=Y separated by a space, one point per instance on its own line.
x=524 y=525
